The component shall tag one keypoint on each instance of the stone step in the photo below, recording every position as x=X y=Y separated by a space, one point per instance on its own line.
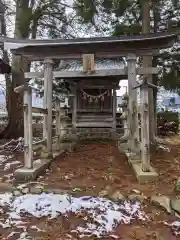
x=94 y=120
x=91 y=124
x=93 y=130
x=95 y=114
x=94 y=117
x=120 y=130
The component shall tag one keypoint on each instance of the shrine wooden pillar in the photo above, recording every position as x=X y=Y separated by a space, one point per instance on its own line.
x=132 y=103
x=114 y=112
x=145 y=141
x=74 y=108
x=47 y=123
x=28 y=151
x=58 y=124
x=28 y=144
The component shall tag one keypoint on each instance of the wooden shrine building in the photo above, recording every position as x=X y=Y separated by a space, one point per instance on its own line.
x=93 y=99
x=93 y=67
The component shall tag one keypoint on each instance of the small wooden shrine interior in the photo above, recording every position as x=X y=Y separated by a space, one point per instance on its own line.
x=93 y=98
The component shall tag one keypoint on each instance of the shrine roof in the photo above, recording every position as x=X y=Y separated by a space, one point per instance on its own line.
x=73 y=69
x=100 y=46
x=18 y=43
x=99 y=64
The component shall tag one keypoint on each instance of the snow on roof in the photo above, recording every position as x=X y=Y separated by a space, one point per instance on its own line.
x=105 y=64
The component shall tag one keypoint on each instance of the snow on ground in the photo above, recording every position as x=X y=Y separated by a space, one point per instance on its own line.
x=106 y=214
x=8 y=165
x=5 y=158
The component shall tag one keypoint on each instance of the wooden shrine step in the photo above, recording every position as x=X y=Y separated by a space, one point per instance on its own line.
x=94 y=124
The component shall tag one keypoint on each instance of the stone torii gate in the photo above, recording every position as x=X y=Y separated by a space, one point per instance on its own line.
x=130 y=47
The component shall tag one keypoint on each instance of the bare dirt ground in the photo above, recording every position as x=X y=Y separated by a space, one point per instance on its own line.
x=95 y=166
x=92 y=167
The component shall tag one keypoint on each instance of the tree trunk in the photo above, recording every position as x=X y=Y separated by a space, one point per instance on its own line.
x=6 y=59
x=147 y=62
x=15 y=126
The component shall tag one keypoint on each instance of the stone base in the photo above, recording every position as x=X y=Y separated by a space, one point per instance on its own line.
x=125 y=147
x=122 y=146
x=67 y=146
x=39 y=168
x=133 y=157
x=46 y=155
x=134 y=160
x=93 y=133
x=144 y=177
x=113 y=134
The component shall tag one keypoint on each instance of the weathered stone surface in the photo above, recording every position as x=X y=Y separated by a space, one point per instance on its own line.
x=178 y=185
x=138 y=197
x=113 y=195
x=24 y=175
x=56 y=191
x=25 y=190
x=144 y=177
x=177 y=215
x=162 y=202
x=35 y=190
x=117 y=196
x=17 y=193
x=105 y=192
x=39 y=186
x=136 y=191
x=37 y=163
x=175 y=205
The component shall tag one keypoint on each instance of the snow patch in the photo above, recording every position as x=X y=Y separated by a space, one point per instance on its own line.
x=106 y=214
x=5 y=158
x=161 y=147
x=11 y=235
x=24 y=236
x=8 y=165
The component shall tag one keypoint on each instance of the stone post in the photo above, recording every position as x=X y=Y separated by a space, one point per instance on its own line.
x=124 y=117
x=144 y=110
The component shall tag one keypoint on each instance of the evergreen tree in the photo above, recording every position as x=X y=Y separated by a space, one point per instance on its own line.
x=124 y=17
x=33 y=18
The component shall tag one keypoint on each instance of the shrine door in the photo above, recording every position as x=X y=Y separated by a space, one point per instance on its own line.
x=95 y=103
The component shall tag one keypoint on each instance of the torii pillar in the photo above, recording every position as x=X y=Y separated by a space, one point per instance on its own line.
x=132 y=104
